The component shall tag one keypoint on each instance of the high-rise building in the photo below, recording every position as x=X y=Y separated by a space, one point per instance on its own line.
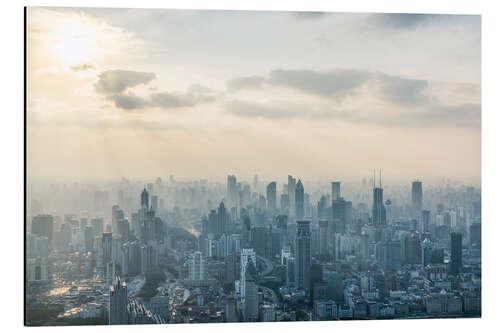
x=196 y=266
x=378 y=210
x=475 y=235
x=232 y=192
x=456 y=253
x=291 y=194
x=145 y=199
x=299 y=200
x=426 y=220
x=416 y=200
x=303 y=255
x=247 y=258
x=323 y=238
x=335 y=190
x=43 y=225
x=271 y=196
x=118 y=301
x=107 y=246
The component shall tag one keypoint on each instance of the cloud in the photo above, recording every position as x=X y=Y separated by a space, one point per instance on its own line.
x=113 y=83
x=400 y=21
x=403 y=91
x=116 y=81
x=128 y=102
x=334 y=84
x=82 y=67
x=246 y=82
x=165 y=100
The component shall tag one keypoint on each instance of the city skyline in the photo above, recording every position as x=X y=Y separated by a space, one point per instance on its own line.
x=213 y=166
x=411 y=108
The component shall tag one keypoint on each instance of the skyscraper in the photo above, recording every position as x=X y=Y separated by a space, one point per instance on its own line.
x=232 y=191
x=335 y=190
x=299 y=201
x=271 y=196
x=43 y=225
x=145 y=199
x=416 y=200
x=456 y=253
x=378 y=210
x=426 y=219
x=323 y=238
x=196 y=266
x=118 y=301
x=291 y=194
x=303 y=255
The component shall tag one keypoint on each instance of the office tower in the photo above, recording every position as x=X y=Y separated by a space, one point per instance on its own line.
x=323 y=238
x=247 y=258
x=232 y=191
x=196 y=267
x=43 y=225
x=335 y=190
x=89 y=238
x=456 y=253
x=339 y=214
x=416 y=200
x=291 y=194
x=271 y=196
x=251 y=300
x=222 y=219
x=411 y=248
x=378 y=210
x=118 y=301
x=322 y=208
x=107 y=245
x=388 y=210
x=303 y=255
x=256 y=183
x=426 y=220
x=299 y=200
x=475 y=235
x=145 y=200
x=282 y=224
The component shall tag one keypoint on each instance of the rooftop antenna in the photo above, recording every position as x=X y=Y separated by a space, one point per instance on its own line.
x=380 y=177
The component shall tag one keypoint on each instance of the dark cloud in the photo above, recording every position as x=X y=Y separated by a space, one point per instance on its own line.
x=82 y=67
x=116 y=81
x=403 y=91
x=128 y=102
x=195 y=95
x=401 y=21
x=333 y=84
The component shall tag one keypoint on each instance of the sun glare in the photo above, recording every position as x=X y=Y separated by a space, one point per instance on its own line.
x=73 y=45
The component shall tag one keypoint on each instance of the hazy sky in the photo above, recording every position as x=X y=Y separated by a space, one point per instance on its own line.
x=145 y=93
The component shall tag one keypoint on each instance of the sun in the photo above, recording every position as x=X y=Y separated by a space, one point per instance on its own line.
x=72 y=45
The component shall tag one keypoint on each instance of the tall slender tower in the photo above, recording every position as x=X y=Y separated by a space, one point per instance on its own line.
x=416 y=200
x=299 y=201
x=378 y=209
x=303 y=256
x=335 y=190
x=271 y=196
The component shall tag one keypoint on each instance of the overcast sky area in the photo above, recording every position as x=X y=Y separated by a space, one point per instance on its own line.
x=201 y=94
